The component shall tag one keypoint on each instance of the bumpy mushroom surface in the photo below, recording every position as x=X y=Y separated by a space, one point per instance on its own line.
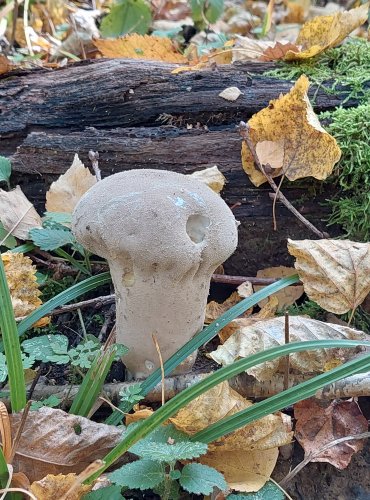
x=163 y=234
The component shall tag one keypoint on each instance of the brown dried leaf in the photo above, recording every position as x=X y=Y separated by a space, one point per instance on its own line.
x=320 y=423
x=155 y=48
x=249 y=49
x=55 y=442
x=52 y=487
x=21 y=277
x=269 y=333
x=215 y=309
x=335 y=273
x=140 y=413
x=15 y=208
x=5 y=65
x=288 y=295
x=324 y=32
x=65 y=193
x=222 y=401
x=308 y=149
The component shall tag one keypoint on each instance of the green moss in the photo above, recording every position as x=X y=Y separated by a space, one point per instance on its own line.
x=346 y=67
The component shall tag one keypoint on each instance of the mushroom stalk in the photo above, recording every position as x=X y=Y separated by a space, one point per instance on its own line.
x=163 y=234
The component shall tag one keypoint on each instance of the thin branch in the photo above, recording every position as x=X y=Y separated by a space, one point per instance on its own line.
x=318 y=452
x=161 y=364
x=244 y=133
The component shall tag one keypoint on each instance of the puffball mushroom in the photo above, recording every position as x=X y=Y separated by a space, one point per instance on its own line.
x=163 y=234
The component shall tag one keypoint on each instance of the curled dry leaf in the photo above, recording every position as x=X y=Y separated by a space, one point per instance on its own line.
x=320 y=423
x=288 y=295
x=21 y=277
x=17 y=214
x=52 y=487
x=335 y=273
x=324 y=32
x=249 y=49
x=65 y=193
x=309 y=151
x=270 y=333
x=140 y=413
x=212 y=177
x=136 y=46
x=215 y=309
x=54 y=442
x=246 y=457
x=230 y=94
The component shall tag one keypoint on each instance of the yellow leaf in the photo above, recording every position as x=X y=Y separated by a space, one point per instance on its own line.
x=52 y=487
x=308 y=149
x=21 y=278
x=222 y=401
x=65 y=193
x=141 y=413
x=215 y=309
x=288 y=295
x=265 y=334
x=335 y=273
x=212 y=177
x=17 y=214
x=136 y=46
x=324 y=32
x=45 y=321
x=243 y=470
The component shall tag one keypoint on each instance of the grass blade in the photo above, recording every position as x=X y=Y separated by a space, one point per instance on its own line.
x=62 y=298
x=12 y=347
x=26 y=247
x=225 y=373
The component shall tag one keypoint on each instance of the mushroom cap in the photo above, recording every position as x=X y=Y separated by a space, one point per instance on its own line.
x=157 y=219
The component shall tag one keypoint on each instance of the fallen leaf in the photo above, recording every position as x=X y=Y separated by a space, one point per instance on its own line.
x=271 y=153
x=324 y=32
x=215 y=309
x=269 y=333
x=140 y=413
x=249 y=49
x=245 y=289
x=21 y=277
x=65 y=193
x=335 y=273
x=212 y=177
x=243 y=470
x=134 y=46
x=230 y=94
x=321 y=422
x=308 y=149
x=17 y=214
x=222 y=401
x=52 y=487
x=286 y=297
x=54 y=442
x=5 y=65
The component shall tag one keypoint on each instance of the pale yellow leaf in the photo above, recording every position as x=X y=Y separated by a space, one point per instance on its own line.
x=52 y=487
x=212 y=177
x=309 y=151
x=21 y=277
x=243 y=470
x=222 y=401
x=136 y=46
x=263 y=335
x=249 y=49
x=324 y=32
x=286 y=297
x=17 y=214
x=271 y=153
x=65 y=193
x=245 y=289
x=230 y=94
x=335 y=273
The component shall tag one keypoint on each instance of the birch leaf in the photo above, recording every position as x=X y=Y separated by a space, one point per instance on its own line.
x=309 y=151
x=335 y=273
x=288 y=295
x=17 y=210
x=270 y=333
x=212 y=177
x=65 y=193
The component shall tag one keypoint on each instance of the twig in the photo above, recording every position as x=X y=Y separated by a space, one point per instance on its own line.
x=244 y=133
x=94 y=158
x=15 y=225
x=161 y=364
x=34 y=381
x=287 y=359
x=318 y=452
x=25 y=27
x=87 y=472
x=19 y=430
x=238 y=280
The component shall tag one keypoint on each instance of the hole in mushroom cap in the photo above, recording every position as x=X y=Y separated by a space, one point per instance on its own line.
x=196 y=227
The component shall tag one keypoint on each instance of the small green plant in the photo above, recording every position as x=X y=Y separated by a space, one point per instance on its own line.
x=206 y=12
x=127 y=16
x=157 y=467
x=51 y=402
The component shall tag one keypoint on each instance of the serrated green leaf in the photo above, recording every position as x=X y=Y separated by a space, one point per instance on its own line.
x=168 y=489
x=201 y=479
x=50 y=239
x=51 y=402
x=110 y=493
x=163 y=452
x=269 y=492
x=143 y=474
x=5 y=169
x=128 y=16
x=214 y=10
x=175 y=474
x=44 y=348
x=58 y=217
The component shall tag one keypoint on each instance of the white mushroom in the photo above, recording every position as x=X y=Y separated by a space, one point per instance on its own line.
x=163 y=234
